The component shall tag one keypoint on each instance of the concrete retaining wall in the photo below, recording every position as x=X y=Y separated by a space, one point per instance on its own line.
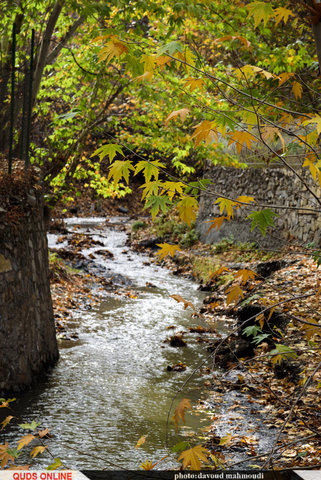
x=269 y=187
x=27 y=332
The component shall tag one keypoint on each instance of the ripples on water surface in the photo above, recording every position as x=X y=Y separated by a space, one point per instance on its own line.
x=111 y=386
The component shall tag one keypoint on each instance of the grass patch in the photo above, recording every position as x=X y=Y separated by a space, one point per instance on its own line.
x=58 y=269
x=172 y=230
x=139 y=225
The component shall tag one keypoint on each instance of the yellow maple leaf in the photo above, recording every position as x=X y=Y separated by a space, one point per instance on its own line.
x=260 y=11
x=186 y=303
x=167 y=249
x=226 y=204
x=249 y=71
x=234 y=294
x=297 y=90
x=148 y=465
x=284 y=77
x=193 y=83
x=263 y=72
x=187 y=209
x=145 y=76
x=163 y=60
x=245 y=199
x=216 y=222
x=194 y=456
x=180 y=411
x=245 y=275
x=219 y=271
x=182 y=113
x=35 y=451
x=261 y=319
x=240 y=138
x=171 y=188
x=25 y=441
x=149 y=62
x=282 y=13
x=314 y=169
x=316 y=120
x=114 y=48
x=202 y=131
x=188 y=59
x=141 y=441
x=6 y=421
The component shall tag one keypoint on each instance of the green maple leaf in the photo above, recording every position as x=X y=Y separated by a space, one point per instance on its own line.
x=110 y=149
x=120 y=169
x=157 y=203
x=56 y=464
x=170 y=48
x=262 y=219
x=260 y=11
x=29 y=426
x=150 y=169
x=150 y=188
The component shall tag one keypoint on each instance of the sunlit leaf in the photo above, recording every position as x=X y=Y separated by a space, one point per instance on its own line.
x=194 y=83
x=260 y=11
x=25 y=441
x=297 y=90
x=194 y=456
x=6 y=421
x=110 y=149
x=148 y=465
x=282 y=13
x=241 y=138
x=120 y=169
x=187 y=209
x=167 y=249
x=245 y=275
x=29 y=426
x=149 y=169
x=37 y=450
x=316 y=120
x=114 y=48
x=226 y=204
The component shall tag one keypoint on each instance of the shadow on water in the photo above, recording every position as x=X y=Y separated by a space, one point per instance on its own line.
x=112 y=386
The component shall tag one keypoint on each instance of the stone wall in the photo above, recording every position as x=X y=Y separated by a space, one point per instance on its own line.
x=27 y=332
x=269 y=186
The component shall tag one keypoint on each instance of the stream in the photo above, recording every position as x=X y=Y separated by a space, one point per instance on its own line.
x=111 y=385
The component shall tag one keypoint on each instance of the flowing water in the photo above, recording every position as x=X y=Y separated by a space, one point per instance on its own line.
x=111 y=386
